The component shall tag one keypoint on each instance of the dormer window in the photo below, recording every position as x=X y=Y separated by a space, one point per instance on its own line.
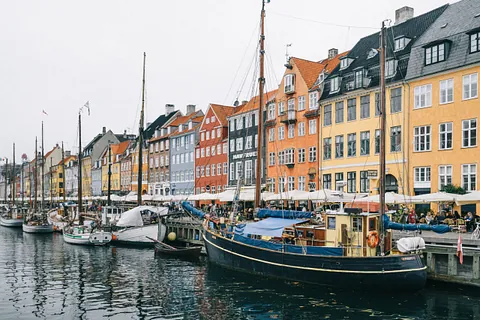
x=289 y=83
x=190 y=125
x=475 y=42
x=180 y=128
x=390 y=68
x=321 y=77
x=372 y=53
x=359 y=78
x=335 y=85
x=345 y=63
x=401 y=43
x=435 y=53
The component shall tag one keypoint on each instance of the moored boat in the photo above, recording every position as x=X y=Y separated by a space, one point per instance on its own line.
x=86 y=235
x=37 y=225
x=12 y=218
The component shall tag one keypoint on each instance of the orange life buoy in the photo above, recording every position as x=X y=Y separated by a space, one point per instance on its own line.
x=372 y=239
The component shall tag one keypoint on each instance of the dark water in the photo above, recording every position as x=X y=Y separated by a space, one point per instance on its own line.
x=42 y=277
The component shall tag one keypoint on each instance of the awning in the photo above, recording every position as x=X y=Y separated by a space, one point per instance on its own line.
x=272 y=227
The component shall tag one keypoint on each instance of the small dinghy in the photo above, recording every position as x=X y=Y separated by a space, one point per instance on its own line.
x=186 y=252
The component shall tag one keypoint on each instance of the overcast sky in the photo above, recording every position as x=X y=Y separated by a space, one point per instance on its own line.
x=57 y=54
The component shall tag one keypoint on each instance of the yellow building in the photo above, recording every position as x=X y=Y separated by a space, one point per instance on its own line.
x=114 y=156
x=87 y=176
x=444 y=105
x=144 y=170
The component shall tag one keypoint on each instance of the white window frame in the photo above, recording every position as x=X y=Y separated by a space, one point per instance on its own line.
x=446 y=91
x=271 y=134
x=301 y=129
x=281 y=133
x=468 y=130
x=248 y=143
x=422 y=135
x=312 y=126
x=422 y=177
x=289 y=83
x=301 y=155
x=271 y=111
x=281 y=108
x=423 y=96
x=445 y=135
x=312 y=154
x=313 y=100
x=232 y=145
x=469 y=171
x=291 y=131
x=301 y=103
x=470 y=86
x=271 y=158
x=239 y=144
x=334 y=85
x=301 y=183
x=445 y=173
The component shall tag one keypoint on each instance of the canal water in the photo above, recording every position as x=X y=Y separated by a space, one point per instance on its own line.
x=42 y=277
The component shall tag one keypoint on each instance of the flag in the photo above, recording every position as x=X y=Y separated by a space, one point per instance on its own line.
x=87 y=105
x=460 y=249
x=43 y=111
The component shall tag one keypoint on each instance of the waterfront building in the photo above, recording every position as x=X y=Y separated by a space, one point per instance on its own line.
x=243 y=141
x=113 y=157
x=126 y=171
x=350 y=131
x=159 y=155
x=183 y=140
x=443 y=103
x=292 y=126
x=52 y=157
x=211 y=151
x=71 y=176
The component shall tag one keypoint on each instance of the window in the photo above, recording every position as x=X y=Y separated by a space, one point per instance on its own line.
x=470 y=86
x=422 y=138
x=239 y=167
x=248 y=143
x=423 y=96
x=225 y=168
x=271 y=111
x=301 y=155
x=357 y=224
x=291 y=183
x=327 y=181
x=207 y=120
x=290 y=156
x=301 y=129
x=339 y=146
x=281 y=108
x=396 y=100
x=202 y=171
x=239 y=144
x=469 y=177
x=256 y=141
x=344 y=63
x=281 y=184
x=352 y=144
x=327 y=148
x=213 y=134
x=335 y=85
x=364 y=143
x=446 y=91
x=219 y=134
x=207 y=136
x=390 y=68
x=248 y=171
x=475 y=42
x=271 y=134
x=289 y=83
x=400 y=43
x=364 y=182
x=435 y=54
x=351 y=182
x=271 y=158
x=291 y=131
x=469 y=133
x=281 y=157
x=207 y=154
x=219 y=169
x=377 y=104
x=332 y=223
x=327 y=115
x=281 y=133
x=351 y=109
x=271 y=185
x=248 y=120
x=197 y=153
x=338 y=178
x=312 y=154
x=213 y=170
x=339 y=112
x=301 y=183
x=446 y=134
x=232 y=125
x=396 y=139
x=312 y=126
x=364 y=107
x=232 y=145
x=225 y=148
x=301 y=103
x=207 y=171
x=313 y=100
x=377 y=141
x=422 y=174
x=219 y=149
x=444 y=176
x=358 y=79
x=239 y=123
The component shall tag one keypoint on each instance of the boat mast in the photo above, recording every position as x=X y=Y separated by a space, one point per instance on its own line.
x=51 y=183
x=261 y=85
x=14 y=177
x=43 y=173
x=140 y=139
x=109 y=174
x=5 y=174
x=63 y=172
x=35 y=178
x=383 y=120
x=79 y=165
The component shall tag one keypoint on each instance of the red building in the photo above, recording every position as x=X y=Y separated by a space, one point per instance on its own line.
x=211 y=153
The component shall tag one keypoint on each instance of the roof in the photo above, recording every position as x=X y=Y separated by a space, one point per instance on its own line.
x=184 y=119
x=92 y=143
x=196 y=127
x=51 y=151
x=67 y=159
x=159 y=122
x=412 y=28
x=222 y=112
x=254 y=103
x=452 y=25
x=119 y=148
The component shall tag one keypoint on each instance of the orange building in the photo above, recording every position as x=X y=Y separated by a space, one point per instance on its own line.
x=292 y=127
x=211 y=153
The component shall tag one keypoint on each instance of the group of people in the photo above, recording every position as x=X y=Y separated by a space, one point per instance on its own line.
x=445 y=217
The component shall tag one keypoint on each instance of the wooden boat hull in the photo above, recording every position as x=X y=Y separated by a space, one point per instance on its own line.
x=12 y=223
x=138 y=236
x=43 y=228
x=388 y=273
x=190 y=252
x=98 y=238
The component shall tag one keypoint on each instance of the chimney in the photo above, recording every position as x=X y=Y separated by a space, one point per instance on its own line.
x=403 y=14
x=169 y=108
x=148 y=124
x=190 y=109
x=67 y=154
x=104 y=130
x=244 y=102
x=124 y=134
x=332 y=53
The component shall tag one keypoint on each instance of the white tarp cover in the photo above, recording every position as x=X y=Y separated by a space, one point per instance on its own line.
x=405 y=245
x=133 y=217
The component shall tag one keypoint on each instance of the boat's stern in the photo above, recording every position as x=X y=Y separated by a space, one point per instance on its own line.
x=100 y=238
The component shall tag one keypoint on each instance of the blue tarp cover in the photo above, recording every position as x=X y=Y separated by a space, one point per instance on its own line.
x=441 y=228
x=187 y=206
x=285 y=214
x=272 y=227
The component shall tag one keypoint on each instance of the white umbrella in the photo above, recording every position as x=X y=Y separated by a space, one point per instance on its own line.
x=147 y=197
x=435 y=197
x=203 y=196
x=390 y=198
x=471 y=197
x=289 y=195
x=327 y=195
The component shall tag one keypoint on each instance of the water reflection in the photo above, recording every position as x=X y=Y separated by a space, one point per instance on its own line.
x=41 y=276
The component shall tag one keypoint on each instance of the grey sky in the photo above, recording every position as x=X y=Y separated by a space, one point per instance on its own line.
x=58 y=54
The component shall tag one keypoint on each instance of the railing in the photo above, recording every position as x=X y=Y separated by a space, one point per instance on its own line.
x=289 y=117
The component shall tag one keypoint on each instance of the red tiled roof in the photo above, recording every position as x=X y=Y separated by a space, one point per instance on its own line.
x=176 y=133
x=183 y=119
x=67 y=159
x=50 y=152
x=254 y=103
x=222 y=112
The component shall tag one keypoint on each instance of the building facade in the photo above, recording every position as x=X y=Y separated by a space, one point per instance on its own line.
x=112 y=154
x=71 y=176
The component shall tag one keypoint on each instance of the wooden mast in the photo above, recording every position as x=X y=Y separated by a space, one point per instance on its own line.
x=14 y=177
x=51 y=183
x=35 y=178
x=383 y=120
x=5 y=174
x=79 y=165
x=63 y=172
x=261 y=85
x=43 y=173
x=140 y=139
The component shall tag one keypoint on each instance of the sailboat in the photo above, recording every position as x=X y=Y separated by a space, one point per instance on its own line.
x=137 y=226
x=298 y=246
x=36 y=221
x=84 y=232
x=12 y=217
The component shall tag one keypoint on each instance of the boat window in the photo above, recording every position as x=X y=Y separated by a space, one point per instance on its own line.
x=357 y=224
x=371 y=224
x=310 y=234
x=332 y=222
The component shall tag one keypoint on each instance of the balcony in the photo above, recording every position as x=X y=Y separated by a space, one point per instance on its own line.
x=289 y=89
x=289 y=117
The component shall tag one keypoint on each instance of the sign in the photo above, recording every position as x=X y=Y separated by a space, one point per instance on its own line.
x=244 y=155
x=312 y=171
x=373 y=173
